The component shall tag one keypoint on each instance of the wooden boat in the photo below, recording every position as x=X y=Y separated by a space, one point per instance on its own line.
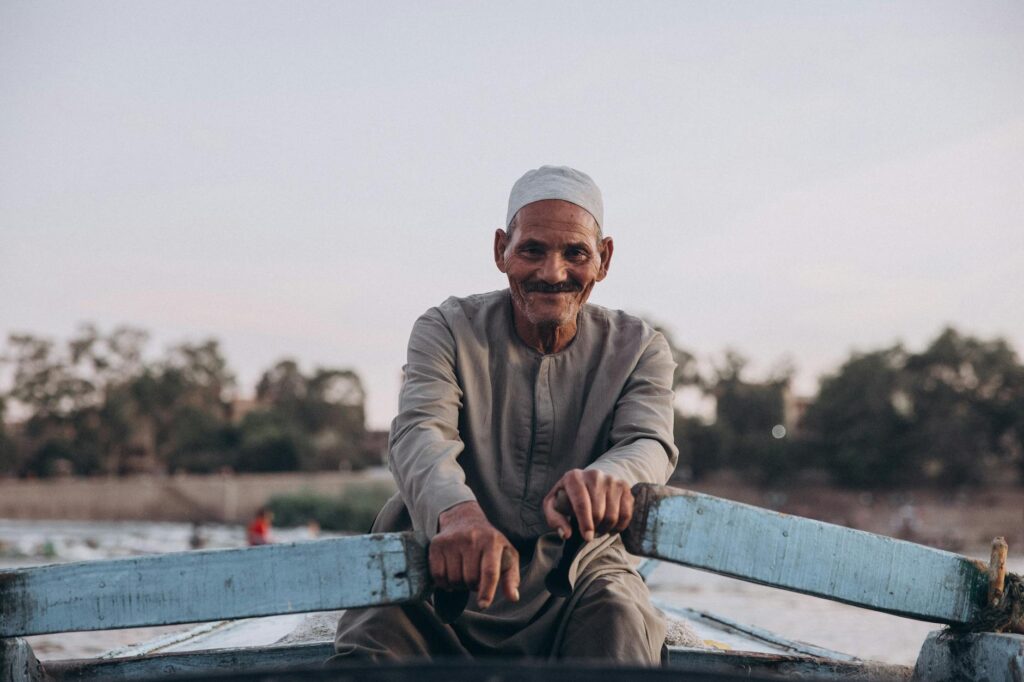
x=255 y=603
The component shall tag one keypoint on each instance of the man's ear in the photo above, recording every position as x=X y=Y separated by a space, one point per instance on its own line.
x=500 y=244
x=606 y=247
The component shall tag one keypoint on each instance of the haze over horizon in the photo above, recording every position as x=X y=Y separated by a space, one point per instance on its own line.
x=305 y=179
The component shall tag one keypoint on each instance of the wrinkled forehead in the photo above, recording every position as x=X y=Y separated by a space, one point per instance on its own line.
x=555 y=221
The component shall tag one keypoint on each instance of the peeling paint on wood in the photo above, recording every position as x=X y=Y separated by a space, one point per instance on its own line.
x=802 y=555
x=193 y=663
x=980 y=657
x=775 y=666
x=191 y=587
x=18 y=663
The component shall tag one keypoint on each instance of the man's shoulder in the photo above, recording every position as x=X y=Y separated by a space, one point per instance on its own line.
x=473 y=315
x=473 y=305
x=618 y=322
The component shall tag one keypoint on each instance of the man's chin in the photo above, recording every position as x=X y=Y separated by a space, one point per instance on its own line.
x=550 y=318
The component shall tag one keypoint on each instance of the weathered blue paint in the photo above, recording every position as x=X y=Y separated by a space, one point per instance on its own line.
x=18 y=663
x=751 y=634
x=193 y=664
x=802 y=555
x=981 y=657
x=212 y=585
x=280 y=659
x=773 y=666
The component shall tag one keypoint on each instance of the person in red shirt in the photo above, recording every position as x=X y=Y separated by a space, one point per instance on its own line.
x=258 y=531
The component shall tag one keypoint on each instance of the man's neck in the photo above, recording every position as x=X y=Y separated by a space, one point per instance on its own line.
x=544 y=338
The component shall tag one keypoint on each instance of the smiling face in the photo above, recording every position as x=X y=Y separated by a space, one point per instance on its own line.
x=552 y=258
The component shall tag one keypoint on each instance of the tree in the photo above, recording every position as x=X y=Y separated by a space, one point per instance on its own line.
x=95 y=405
x=964 y=397
x=63 y=390
x=328 y=406
x=269 y=441
x=950 y=415
x=859 y=425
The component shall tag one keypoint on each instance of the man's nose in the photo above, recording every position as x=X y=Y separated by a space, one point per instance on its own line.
x=553 y=269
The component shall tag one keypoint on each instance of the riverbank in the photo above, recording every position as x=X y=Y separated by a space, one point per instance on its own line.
x=960 y=521
x=215 y=498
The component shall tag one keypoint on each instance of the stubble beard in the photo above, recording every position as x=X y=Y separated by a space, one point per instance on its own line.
x=544 y=323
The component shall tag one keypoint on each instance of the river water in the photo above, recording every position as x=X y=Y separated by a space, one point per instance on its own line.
x=849 y=629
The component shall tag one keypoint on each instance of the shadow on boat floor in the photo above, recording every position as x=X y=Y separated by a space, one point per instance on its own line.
x=490 y=671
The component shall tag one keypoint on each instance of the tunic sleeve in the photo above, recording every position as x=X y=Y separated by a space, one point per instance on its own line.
x=424 y=442
x=642 y=443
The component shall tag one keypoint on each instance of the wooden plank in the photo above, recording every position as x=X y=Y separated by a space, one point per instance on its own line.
x=980 y=657
x=781 y=667
x=192 y=663
x=191 y=587
x=802 y=555
x=284 y=658
x=18 y=663
x=305 y=662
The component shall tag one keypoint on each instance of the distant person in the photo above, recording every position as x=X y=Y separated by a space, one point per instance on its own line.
x=313 y=529
x=258 y=531
x=510 y=399
x=196 y=540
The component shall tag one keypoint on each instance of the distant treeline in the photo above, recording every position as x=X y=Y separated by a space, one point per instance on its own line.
x=950 y=415
x=96 y=405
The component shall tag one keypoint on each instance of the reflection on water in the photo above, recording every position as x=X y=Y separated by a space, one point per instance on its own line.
x=860 y=632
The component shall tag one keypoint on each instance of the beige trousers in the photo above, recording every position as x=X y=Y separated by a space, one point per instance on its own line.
x=610 y=617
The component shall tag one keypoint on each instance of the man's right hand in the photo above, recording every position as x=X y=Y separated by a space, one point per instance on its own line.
x=469 y=553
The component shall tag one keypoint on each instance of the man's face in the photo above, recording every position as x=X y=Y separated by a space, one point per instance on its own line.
x=553 y=258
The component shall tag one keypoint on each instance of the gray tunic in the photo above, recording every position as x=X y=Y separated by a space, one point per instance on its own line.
x=484 y=417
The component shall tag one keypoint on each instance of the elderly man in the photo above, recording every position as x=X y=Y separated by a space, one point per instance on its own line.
x=512 y=400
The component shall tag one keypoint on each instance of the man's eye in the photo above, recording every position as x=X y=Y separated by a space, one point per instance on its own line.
x=532 y=251
x=576 y=255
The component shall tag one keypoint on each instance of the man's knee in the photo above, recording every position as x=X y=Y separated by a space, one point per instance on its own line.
x=615 y=620
x=386 y=633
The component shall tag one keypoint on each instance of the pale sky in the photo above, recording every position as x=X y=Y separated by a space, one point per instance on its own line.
x=305 y=178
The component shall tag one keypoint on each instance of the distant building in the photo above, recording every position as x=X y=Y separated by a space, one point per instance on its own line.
x=240 y=407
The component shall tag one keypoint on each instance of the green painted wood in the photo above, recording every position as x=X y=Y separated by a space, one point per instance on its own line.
x=979 y=657
x=188 y=587
x=802 y=555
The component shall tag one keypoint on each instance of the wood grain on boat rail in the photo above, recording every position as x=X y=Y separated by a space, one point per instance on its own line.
x=189 y=587
x=803 y=555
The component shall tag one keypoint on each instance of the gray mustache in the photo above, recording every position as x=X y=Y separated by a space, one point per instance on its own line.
x=545 y=288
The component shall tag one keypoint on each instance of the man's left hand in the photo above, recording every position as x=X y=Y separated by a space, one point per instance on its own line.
x=600 y=502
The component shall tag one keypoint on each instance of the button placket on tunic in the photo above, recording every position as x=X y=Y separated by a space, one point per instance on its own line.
x=539 y=458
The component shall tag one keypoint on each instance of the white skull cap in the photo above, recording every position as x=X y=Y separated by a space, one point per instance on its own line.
x=556 y=182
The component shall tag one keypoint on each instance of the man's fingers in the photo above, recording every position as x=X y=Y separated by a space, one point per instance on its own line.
x=579 y=496
x=453 y=569
x=556 y=519
x=490 y=571
x=610 y=521
x=625 y=510
x=597 y=486
x=471 y=568
x=438 y=571
x=510 y=573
